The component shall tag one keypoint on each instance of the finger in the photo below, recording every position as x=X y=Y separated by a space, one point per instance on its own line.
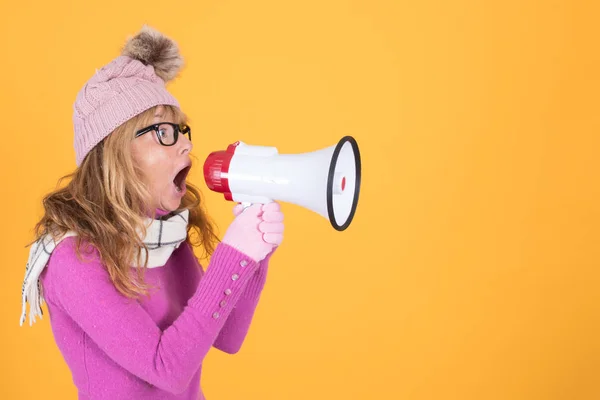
x=272 y=216
x=270 y=227
x=272 y=206
x=273 y=238
x=237 y=210
x=255 y=210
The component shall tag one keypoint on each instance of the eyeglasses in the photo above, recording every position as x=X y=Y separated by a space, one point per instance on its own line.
x=167 y=132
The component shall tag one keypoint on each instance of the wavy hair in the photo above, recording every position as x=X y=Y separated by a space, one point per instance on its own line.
x=105 y=203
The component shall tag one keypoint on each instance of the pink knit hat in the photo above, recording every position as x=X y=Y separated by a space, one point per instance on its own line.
x=127 y=86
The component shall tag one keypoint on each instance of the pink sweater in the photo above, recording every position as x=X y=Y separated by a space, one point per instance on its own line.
x=118 y=348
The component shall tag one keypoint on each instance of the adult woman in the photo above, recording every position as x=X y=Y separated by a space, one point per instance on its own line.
x=131 y=309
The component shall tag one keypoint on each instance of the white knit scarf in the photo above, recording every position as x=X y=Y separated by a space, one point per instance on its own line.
x=162 y=238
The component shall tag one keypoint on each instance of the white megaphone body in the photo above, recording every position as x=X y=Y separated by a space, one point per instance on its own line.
x=325 y=181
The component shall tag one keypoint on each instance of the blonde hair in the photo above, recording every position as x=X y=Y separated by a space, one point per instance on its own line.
x=105 y=203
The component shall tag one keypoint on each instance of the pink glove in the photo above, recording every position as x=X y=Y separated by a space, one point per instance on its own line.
x=256 y=231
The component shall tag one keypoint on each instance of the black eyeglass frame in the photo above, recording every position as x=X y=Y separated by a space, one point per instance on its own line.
x=177 y=129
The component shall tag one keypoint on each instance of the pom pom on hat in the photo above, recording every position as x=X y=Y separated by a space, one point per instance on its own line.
x=151 y=47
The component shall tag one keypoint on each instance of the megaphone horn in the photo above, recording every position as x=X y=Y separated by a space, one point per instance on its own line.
x=326 y=181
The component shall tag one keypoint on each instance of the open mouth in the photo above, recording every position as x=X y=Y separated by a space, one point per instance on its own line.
x=179 y=180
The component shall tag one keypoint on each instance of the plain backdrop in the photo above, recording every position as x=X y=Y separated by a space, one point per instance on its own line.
x=471 y=268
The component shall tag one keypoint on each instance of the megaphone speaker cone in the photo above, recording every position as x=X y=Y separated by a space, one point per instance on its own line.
x=343 y=183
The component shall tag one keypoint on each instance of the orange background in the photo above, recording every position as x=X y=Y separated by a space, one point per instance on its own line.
x=471 y=268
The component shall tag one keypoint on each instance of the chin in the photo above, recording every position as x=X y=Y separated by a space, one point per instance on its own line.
x=170 y=199
x=170 y=204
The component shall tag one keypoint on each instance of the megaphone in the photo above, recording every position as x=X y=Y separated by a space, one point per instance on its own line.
x=325 y=181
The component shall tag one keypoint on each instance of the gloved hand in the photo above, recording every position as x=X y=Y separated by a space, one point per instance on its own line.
x=257 y=230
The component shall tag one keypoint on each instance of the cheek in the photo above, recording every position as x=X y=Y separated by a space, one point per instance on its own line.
x=154 y=162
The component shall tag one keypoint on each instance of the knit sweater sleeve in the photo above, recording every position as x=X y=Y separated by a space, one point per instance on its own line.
x=235 y=329
x=123 y=329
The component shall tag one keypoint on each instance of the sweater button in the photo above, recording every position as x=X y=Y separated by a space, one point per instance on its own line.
x=243 y=263
x=234 y=277
x=216 y=315
x=227 y=292
x=222 y=303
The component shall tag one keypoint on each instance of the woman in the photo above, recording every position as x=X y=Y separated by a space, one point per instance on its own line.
x=131 y=309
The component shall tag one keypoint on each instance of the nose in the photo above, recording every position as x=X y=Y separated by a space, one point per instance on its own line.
x=185 y=145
